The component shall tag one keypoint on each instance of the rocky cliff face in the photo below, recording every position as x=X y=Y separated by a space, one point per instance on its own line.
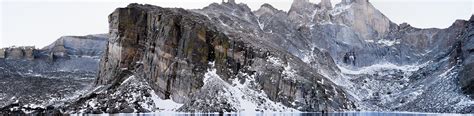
x=226 y=57
x=77 y=46
x=466 y=75
x=23 y=52
x=64 y=47
x=32 y=82
x=173 y=50
x=2 y=53
x=361 y=54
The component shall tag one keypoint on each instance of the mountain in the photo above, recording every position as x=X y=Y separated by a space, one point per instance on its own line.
x=315 y=57
x=38 y=80
x=226 y=57
x=66 y=46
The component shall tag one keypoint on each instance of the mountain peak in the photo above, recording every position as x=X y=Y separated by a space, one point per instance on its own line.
x=229 y=1
x=266 y=5
x=299 y=3
x=266 y=8
x=269 y=7
x=232 y=1
x=325 y=4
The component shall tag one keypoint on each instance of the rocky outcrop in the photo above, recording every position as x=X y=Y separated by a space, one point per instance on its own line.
x=302 y=11
x=312 y=58
x=363 y=17
x=326 y=4
x=33 y=84
x=2 y=53
x=24 y=52
x=316 y=57
x=64 y=47
x=172 y=50
x=78 y=46
x=467 y=75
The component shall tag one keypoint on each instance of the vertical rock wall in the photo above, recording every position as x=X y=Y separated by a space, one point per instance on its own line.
x=467 y=74
x=172 y=49
x=2 y=53
x=26 y=52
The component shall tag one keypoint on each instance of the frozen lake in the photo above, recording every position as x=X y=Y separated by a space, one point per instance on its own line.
x=283 y=114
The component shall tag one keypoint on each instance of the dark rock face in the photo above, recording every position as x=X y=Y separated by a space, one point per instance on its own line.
x=313 y=58
x=31 y=82
x=372 y=52
x=226 y=57
x=172 y=48
x=2 y=53
x=467 y=75
x=24 y=52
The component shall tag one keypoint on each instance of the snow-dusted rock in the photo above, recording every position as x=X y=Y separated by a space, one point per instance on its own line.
x=316 y=57
x=173 y=56
x=312 y=58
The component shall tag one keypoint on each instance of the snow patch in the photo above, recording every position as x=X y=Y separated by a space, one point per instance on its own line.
x=241 y=95
x=210 y=74
x=87 y=56
x=128 y=79
x=465 y=103
x=261 y=25
x=370 y=41
x=33 y=106
x=231 y=92
x=275 y=61
x=444 y=74
x=326 y=23
x=164 y=105
x=382 y=66
x=388 y=42
x=340 y=9
x=289 y=72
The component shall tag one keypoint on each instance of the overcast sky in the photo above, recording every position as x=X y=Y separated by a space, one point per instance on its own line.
x=40 y=22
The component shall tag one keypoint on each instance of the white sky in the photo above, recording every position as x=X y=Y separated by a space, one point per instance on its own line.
x=41 y=22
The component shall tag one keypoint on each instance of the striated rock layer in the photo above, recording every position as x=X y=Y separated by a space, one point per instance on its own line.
x=77 y=46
